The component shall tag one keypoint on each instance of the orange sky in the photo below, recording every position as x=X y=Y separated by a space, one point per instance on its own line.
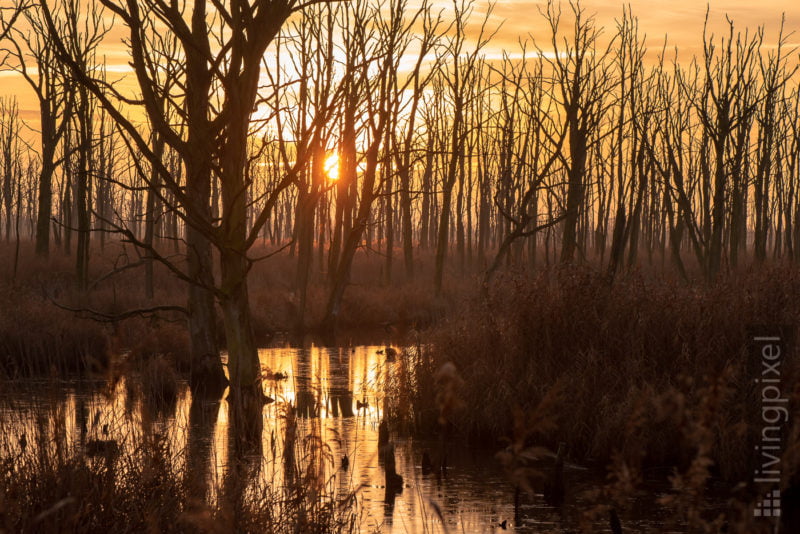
x=681 y=21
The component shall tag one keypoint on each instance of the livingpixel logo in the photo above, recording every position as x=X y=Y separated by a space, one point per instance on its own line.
x=769 y=347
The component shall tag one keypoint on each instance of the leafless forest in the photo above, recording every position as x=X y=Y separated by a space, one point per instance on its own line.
x=243 y=135
x=342 y=126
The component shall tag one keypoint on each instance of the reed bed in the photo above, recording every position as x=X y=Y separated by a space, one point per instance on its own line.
x=646 y=376
x=142 y=467
x=47 y=325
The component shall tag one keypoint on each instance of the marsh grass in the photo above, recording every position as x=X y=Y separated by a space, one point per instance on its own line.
x=39 y=334
x=644 y=375
x=647 y=376
x=613 y=346
x=66 y=469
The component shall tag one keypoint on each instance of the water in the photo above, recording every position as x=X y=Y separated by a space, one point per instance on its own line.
x=326 y=386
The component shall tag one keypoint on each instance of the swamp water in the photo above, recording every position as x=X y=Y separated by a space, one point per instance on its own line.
x=338 y=395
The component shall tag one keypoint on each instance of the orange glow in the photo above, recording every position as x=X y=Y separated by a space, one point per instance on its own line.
x=332 y=167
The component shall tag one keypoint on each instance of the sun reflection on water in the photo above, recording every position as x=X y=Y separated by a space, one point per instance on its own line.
x=338 y=395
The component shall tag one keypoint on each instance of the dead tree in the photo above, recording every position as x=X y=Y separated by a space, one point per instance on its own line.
x=459 y=73
x=381 y=51
x=31 y=53
x=9 y=163
x=221 y=54
x=581 y=82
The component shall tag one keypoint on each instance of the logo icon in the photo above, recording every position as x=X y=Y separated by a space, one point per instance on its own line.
x=770 y=506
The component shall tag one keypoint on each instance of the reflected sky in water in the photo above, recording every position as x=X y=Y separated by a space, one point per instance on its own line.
x=338 y=395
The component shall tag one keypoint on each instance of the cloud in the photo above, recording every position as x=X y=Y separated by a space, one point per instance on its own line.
x=681 y=22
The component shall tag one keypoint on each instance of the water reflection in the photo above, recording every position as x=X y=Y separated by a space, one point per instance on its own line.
x=203 y=416
x=318 y=442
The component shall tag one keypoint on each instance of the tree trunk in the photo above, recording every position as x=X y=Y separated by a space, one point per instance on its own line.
x=243 y=364
x=82 y=190
x=577 y=139
x=150 y=218
x=206 y=373
x=407 y=228
x=442 y=239
x=45 y=190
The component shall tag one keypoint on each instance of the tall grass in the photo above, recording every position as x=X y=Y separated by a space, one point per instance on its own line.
x=612 y=345
x=650 y=377
x=39 y=333
x=64 y=472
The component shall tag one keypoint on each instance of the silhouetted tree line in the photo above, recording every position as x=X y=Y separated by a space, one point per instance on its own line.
x=326 y=127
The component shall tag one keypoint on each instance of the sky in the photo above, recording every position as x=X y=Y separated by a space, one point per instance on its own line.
x=680 y=21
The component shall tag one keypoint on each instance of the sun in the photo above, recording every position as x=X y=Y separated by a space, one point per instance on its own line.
x=332 y=167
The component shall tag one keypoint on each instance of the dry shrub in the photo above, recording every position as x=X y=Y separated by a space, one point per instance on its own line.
x=38 y=338
x=153 y=339
x=146 y=484
x=616 y=346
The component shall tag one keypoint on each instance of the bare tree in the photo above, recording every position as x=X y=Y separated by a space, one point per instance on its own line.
x=32 y=54
x=581 y=85
x=222 y=53
x=10 y=149
x=530 y=150
x=381 y=51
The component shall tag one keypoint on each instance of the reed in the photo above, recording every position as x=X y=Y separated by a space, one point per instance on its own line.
x=612 y=345
x=39 y=333
x=127 y=471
